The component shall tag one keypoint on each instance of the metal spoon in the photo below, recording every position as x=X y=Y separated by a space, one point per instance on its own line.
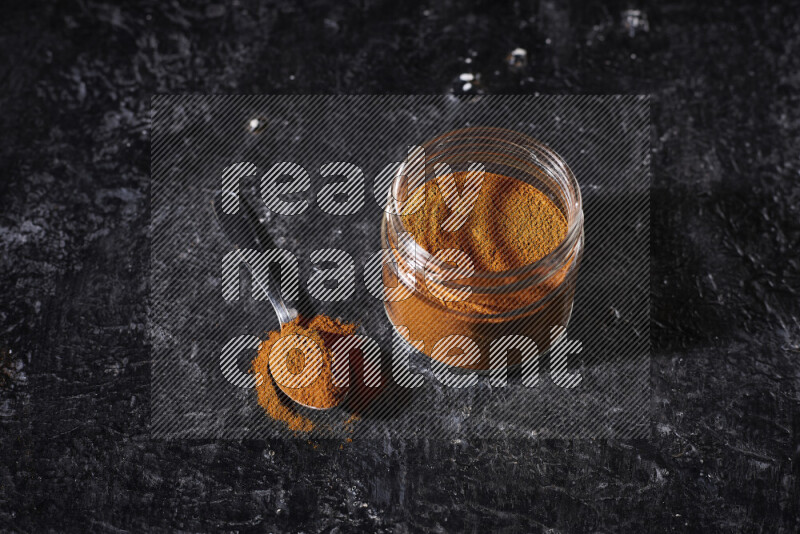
x=247 y=231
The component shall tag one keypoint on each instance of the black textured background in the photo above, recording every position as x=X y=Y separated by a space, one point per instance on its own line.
x=76 y=80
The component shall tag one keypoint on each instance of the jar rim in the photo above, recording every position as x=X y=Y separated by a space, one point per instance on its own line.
x=547 y=265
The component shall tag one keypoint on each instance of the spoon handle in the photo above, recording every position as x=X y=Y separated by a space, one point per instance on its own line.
x=245 y=230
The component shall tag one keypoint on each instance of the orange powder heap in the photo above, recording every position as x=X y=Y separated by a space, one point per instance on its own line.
x=321 y=393
x=511 y=224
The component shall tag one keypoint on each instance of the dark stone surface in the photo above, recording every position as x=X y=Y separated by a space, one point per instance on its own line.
x=74 y=383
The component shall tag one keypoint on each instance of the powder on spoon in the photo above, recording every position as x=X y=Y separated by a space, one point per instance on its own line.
x=321 y=392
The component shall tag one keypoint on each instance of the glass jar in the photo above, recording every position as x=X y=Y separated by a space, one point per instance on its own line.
x=529 y=300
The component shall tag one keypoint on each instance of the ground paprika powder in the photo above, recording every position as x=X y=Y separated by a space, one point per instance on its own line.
x=524 y=236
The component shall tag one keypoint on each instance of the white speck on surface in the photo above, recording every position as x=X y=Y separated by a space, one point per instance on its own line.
x=517 y=58
x=634 y=21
